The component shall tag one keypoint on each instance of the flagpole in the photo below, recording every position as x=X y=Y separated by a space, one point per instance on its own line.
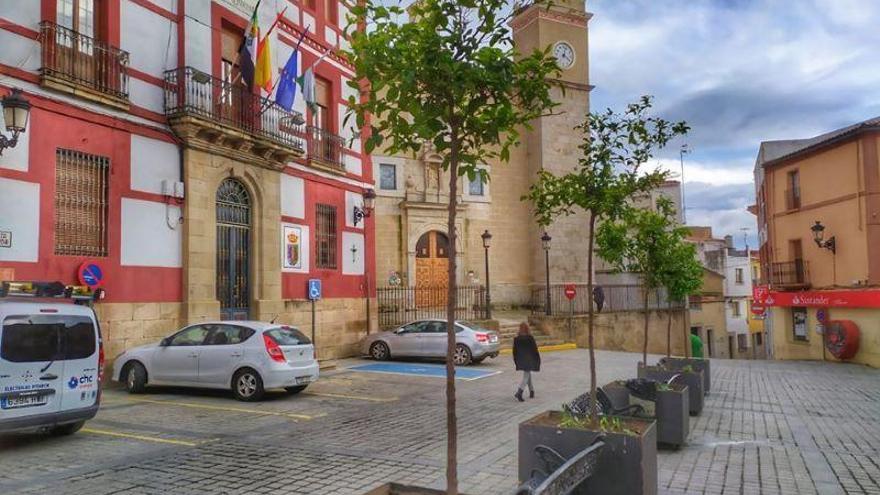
x=301 y=38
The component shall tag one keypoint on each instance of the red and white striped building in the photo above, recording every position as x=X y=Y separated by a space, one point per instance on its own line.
x=146 y=156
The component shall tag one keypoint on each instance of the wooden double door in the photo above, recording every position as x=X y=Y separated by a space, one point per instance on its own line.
x=432 y=269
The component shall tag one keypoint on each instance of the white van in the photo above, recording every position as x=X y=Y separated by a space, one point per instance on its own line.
x=51 y=359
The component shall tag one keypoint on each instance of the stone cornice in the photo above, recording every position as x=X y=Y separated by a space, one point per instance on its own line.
x=535 y=12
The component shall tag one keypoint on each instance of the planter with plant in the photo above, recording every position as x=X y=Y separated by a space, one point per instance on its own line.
x=667 y=404
x=687 y=375
x=627 y=463
x=698 y=364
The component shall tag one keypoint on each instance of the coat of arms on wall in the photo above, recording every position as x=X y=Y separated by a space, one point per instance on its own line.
x=292 y=247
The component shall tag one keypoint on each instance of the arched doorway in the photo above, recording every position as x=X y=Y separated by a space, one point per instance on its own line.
x=233 y=250
x=432 y=269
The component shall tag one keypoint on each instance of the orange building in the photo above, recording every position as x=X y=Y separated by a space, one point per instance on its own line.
x=818 y=206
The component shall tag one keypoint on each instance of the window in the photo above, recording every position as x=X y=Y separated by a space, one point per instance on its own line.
x=754 y=274
x=191 y=336
x=739 y=276
x=476 y=186
x=799 y=323
x=759 y=339
x=81 y=187
x=330 y=11
x=742 y=341
x=288 y=336
x=695 y=302
x=227 y=335
x=34 y=338
x=76 y=15
x=310 y=4
x=793 y=192
x=325 y=224
x=387 y=176
x=734 y=308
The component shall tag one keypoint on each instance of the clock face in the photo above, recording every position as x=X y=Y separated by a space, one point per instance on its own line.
x=564 y=54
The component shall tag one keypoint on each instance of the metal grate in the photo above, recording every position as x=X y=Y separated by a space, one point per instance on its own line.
x=81 y=188
x=399 y=305
x=325 y=248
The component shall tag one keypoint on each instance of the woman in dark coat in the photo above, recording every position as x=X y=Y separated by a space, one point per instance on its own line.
x=526 y=358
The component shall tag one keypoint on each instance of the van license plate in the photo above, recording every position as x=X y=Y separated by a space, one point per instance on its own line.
x=24 y=401
x=300 y=380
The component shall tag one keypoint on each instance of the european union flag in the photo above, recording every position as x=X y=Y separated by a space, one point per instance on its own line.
x=286 y=92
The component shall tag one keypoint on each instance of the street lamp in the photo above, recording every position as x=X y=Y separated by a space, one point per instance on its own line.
x=487 y=241
x=16 y=110
x=545 y=243
x=819 y=236
x=681 y=152
x=363 y=212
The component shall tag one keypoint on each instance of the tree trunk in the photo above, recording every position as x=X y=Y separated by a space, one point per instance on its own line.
x=669 y=328
x=594 y=404
x=451 y=419
x=645 y=343
x=684 y=327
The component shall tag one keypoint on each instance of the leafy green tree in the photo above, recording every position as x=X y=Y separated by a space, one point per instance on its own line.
x=609 y=172
x=445 y=73
x=682 y=277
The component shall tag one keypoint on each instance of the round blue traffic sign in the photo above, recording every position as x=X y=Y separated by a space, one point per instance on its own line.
x=91 y=274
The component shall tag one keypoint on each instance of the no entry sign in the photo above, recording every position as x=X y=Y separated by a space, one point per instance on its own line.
x=570 y=291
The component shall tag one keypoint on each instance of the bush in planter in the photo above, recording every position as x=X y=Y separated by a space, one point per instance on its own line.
x=692 y=378
x=667 y=404
x=627 y=463
x=698 y=364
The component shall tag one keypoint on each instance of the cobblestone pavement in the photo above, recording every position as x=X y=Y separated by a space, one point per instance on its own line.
x=768 y=427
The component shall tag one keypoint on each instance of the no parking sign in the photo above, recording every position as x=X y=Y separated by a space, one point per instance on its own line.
x=91 y=274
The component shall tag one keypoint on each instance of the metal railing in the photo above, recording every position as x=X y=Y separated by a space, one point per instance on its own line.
x=400 y=305
x=325 y=146
x=790 y=274
x=792 y=198
x=617 y=298
x=82 y=60
x=189 y=91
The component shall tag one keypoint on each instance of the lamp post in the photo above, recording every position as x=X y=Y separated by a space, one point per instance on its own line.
x=487 y=240
x=681 y=152
x=16 y=111
x=545 y=243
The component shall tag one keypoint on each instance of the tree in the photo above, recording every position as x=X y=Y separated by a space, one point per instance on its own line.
x=682 y=278
x=451 y=77
x=614 y=148
x=642 y=241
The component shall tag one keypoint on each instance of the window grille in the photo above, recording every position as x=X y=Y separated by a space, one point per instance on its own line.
x=81 y=190
x=325 y=224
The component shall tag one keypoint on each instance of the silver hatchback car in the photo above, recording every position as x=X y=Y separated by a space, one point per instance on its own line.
x=427 y=338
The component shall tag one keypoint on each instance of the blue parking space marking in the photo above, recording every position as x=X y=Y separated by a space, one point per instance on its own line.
x=419 y=369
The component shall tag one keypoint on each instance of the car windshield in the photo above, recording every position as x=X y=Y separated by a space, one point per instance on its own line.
x=288 y=336
x=473 y=326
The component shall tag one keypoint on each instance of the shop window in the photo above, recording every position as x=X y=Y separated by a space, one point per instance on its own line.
x=325 y=224
x=81 y=190
x=387 y=176
x=799 y=323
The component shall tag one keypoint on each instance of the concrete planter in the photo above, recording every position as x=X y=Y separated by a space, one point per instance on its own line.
x=670 y=410
x=698 y=364
x=693 y=380
x=627 y=463
x=397 y=489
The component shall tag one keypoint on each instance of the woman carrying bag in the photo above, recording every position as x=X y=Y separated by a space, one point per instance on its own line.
x=526 y=358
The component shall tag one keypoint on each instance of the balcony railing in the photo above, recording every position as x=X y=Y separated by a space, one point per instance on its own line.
x=793 y=274
x=325 y=146
x=190 y=92
x=617 y=298
x=399 y=305
x=71 y=57
x=792 y=199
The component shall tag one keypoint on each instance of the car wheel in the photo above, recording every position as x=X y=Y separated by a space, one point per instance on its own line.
x=462 y=356
x=379 y=351
x=68 y=429
x=247 y=385
x=135 y=378
x=295 y=390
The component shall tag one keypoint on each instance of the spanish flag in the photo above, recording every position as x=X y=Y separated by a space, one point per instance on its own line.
x=263 y=69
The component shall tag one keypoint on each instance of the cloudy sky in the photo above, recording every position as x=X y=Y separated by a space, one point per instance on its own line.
x=739 y=72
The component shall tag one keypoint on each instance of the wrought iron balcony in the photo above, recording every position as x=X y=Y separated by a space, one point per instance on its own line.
x=790 y=274
x=227 y=114
x=325 y=148
x=76 y=63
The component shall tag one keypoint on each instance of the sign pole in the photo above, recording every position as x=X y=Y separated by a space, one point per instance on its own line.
x=570 y=316
x=313 y=327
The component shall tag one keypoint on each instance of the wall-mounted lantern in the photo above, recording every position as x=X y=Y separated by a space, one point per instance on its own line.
x=16 y=111
x=363 y=212
x=819 y=236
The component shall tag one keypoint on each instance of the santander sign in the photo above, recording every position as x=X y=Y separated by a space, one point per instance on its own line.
x=869 y=298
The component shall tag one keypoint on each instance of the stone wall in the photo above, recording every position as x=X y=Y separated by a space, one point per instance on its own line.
x=620 y=331
x=127 y=325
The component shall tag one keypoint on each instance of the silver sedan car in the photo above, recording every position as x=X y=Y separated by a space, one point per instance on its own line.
x=427 y=338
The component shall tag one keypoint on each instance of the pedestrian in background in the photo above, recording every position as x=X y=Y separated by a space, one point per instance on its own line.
x=696 y=346
x=526 y=358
